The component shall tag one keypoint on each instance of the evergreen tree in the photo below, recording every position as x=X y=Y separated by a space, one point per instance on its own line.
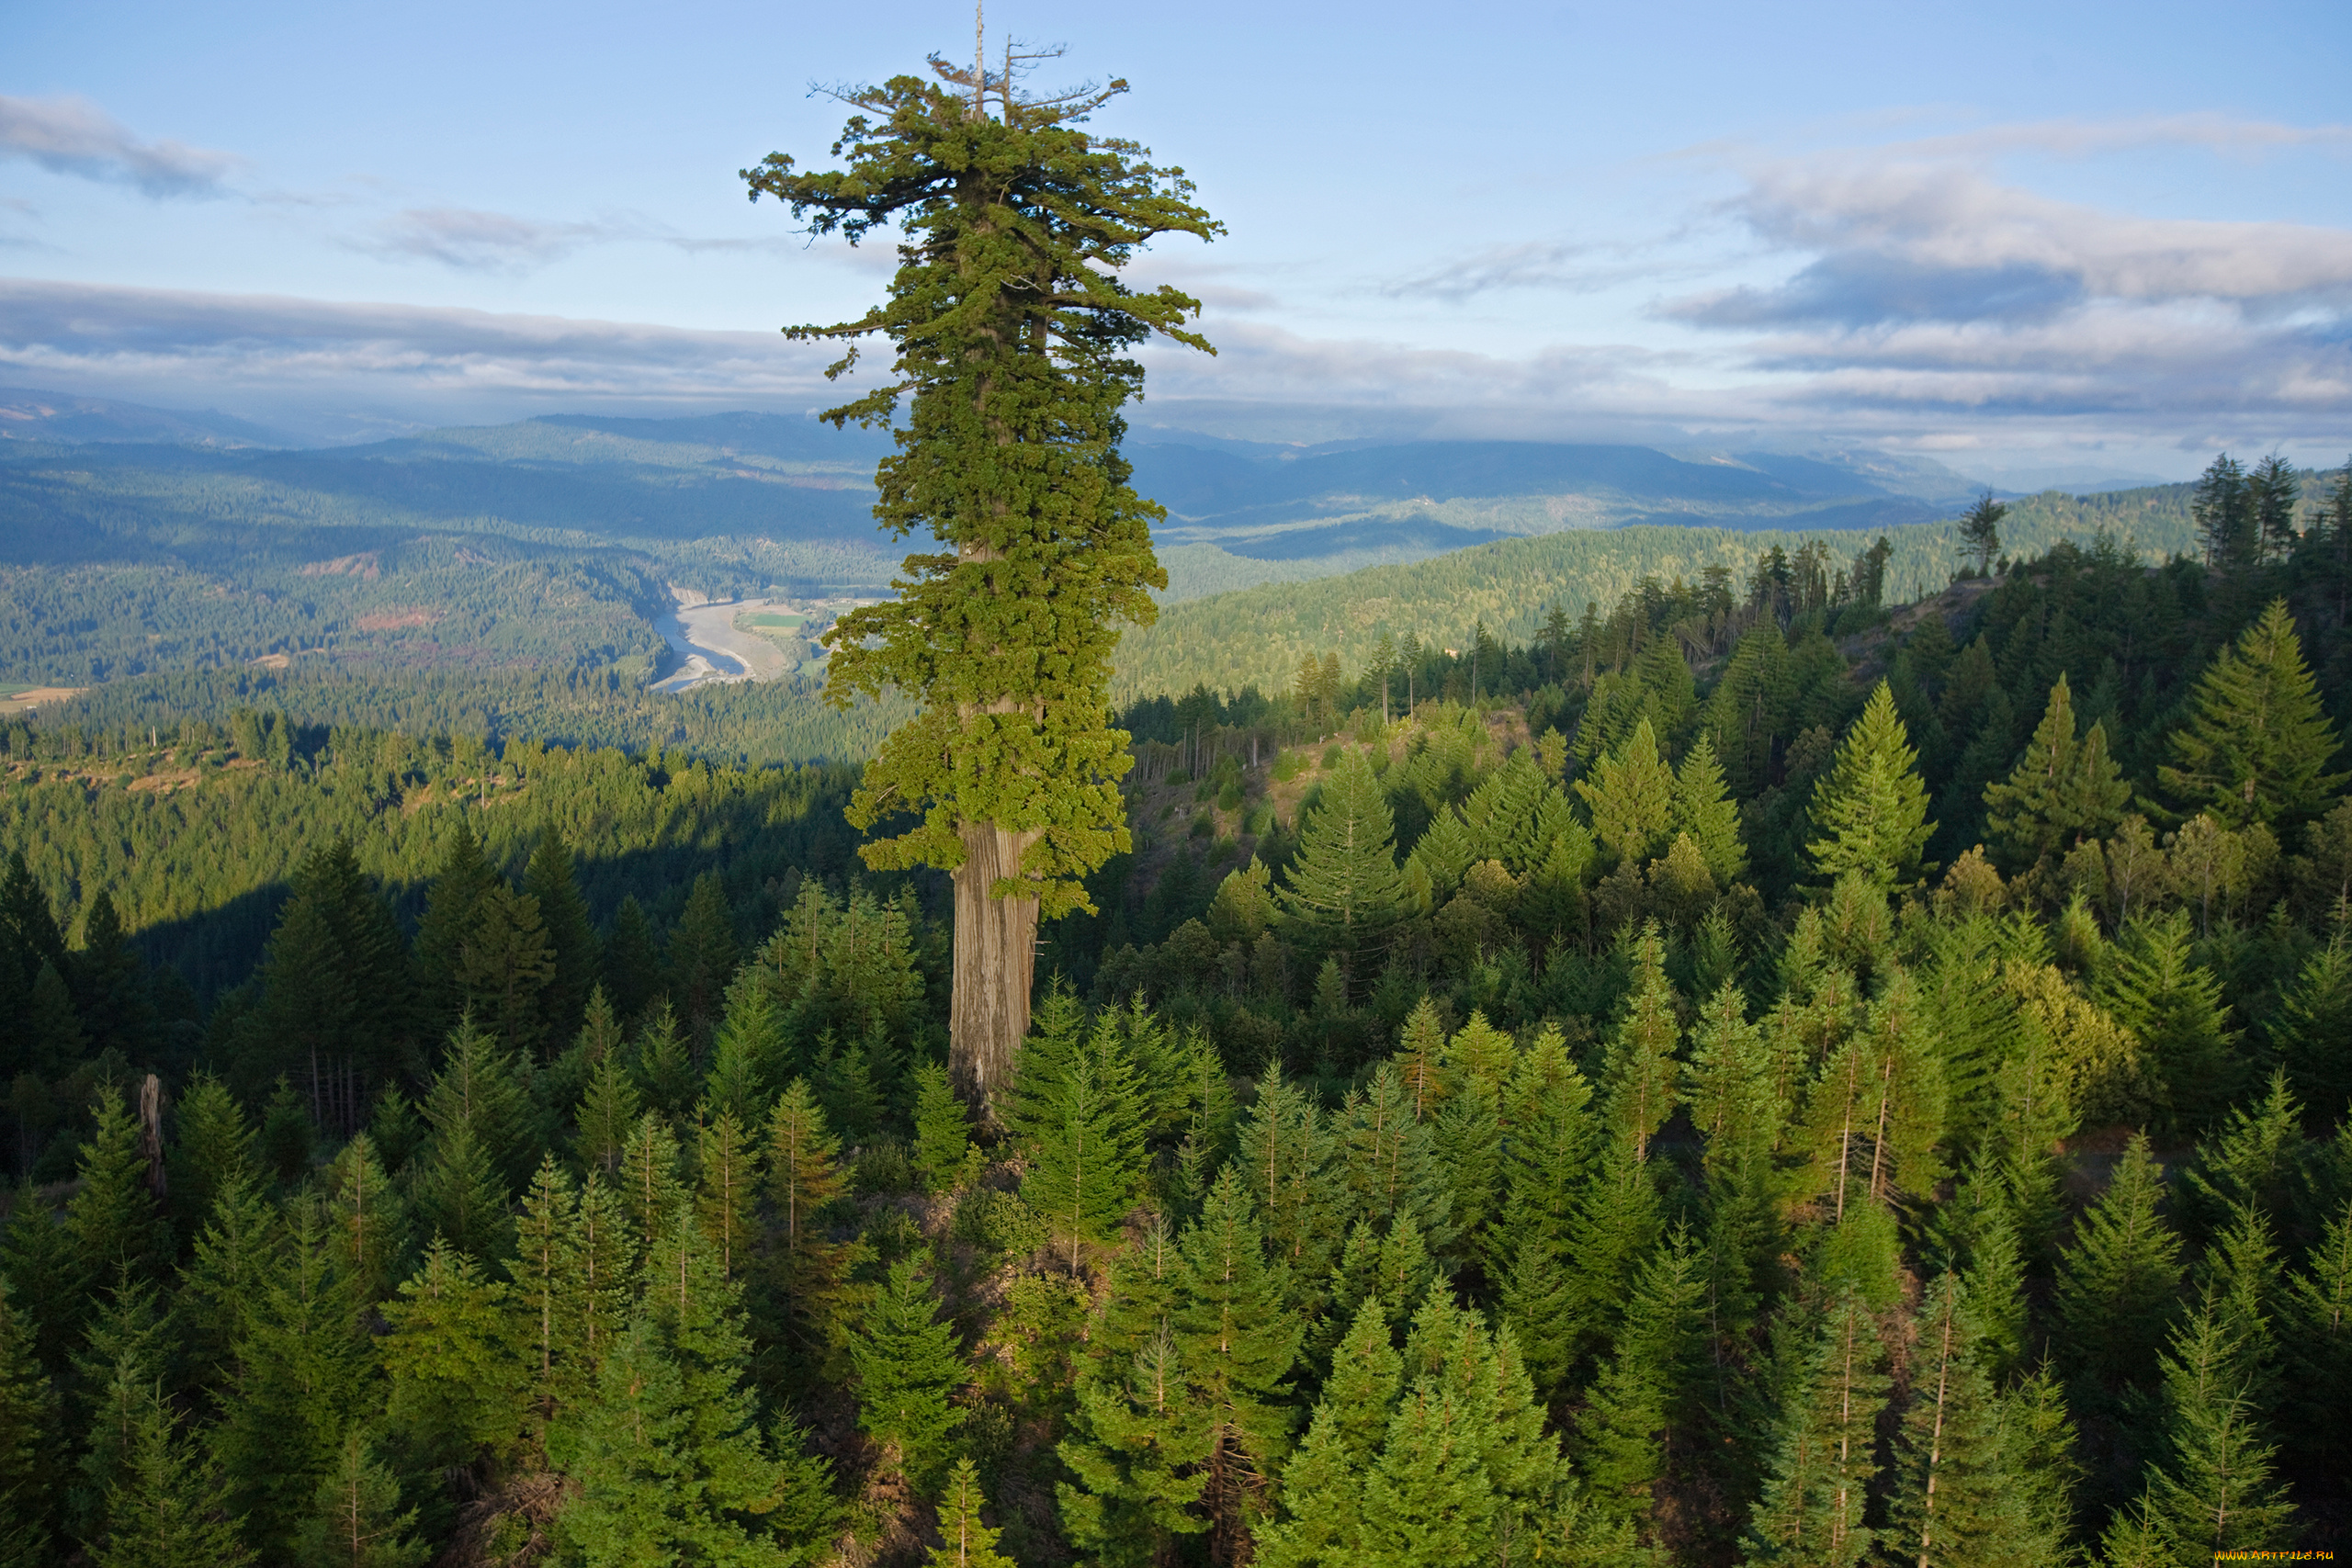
x=1704 y=809
x=1620 y=1448
x=673 y=1468
x=2213 y=1489
x=1980 y=531
x=451 y=908
x=806 y=1268
x=370 y=1218
x=2064 y=790
x=650 y=1184
x=726 y=1189
x=747 y=1056
x=165 y=1512
x=1006 y=637
x=112 y=1219
x=211 y=1151
x=114 y=1374
x=505 y=968
x=1632 y=797
x=1466 y=1468
x=1637 y=1085
x=357 y=1521
x=1286 y=1148
x=597 y=1262
x=459 y=1382
x=611 y=1106
x=1343 y=887
x=479 y=1087
x=665 y=1068
x=538 y=1271
x=964 y=1540
x=1075 y=1111
x=909 y=1371
x=2226 y=524
x=702 y=955
x=1957 y=1496
x=942 y=1129
x=2253 y=1161
x=460 y=1196
x=1823 y=1446
x=631 y=961
x=302 y=1366
x=222 y=1283
x=2155 y=988
x=1323 y=1484
x=1871 y=808
x=1238 y=1344
x=2118 y=1286
x=2311 y=1023
x=29 y=1441
x=2317 y=1333
x=549 y=880
x=1135 y=1450
x=1545 y=1165
x=111 y=983
x=2257 y=742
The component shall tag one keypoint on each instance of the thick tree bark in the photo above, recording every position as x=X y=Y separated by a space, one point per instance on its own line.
x=996 y=951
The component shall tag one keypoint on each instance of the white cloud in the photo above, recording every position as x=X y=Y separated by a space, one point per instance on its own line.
x=85 y=334
x=74 y=136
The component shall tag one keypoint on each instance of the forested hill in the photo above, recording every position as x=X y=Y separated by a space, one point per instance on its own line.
x=1762 y=1065
x=1259 y=634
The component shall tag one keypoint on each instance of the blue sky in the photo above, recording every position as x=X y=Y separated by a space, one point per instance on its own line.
x=2013 y=237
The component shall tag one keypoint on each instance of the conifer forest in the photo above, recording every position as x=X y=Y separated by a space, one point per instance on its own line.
x=1765 y=1071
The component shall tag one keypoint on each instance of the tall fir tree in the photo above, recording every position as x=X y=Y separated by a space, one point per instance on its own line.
x=302 y=1366
x=550 y=880
x=1239 y=1343
x=454 y=1357
x=451 y=904
x=2257 y=741
x=29 y=1442
x=1637 y=1405
x=1632 y=798
x=2065 y=789
x=1323 y=1484
x=1342 y=889
x=1075 y=1111
x=964 y=1540
x=2222 y=507
x=166 y=1511
x=669 y=1457
x=1870 y=809
x=1705 y=812
x=808 y=1269
x=357 y=1521
x=1957 y=1497
x=505 y=966
x=2213 y=1487
x=702 y=955
x=909 y=1370
x=1823 y=1446
x=942 y=1129
x=1637 y=1085
x=1136 y=1451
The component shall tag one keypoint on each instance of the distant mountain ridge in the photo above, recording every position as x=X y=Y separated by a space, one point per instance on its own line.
x=28 y=415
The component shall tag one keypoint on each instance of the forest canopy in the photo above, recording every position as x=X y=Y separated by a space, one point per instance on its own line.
x=1764 y=1074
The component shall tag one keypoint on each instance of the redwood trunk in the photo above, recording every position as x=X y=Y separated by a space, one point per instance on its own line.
x=996 y=950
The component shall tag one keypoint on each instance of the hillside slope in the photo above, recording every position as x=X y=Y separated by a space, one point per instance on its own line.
x=1259 y=634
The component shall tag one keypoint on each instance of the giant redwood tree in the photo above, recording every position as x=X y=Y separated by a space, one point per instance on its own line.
x=1013 y=336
